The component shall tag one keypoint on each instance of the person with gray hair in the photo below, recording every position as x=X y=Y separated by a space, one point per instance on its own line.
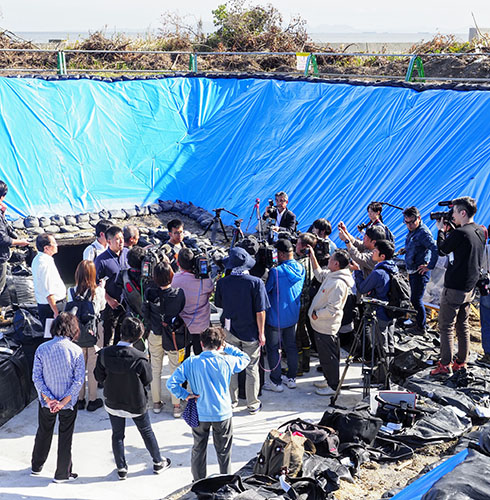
x=131 y=235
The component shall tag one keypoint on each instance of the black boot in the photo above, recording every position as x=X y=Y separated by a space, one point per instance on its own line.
x=306 y=359
x=300 y=364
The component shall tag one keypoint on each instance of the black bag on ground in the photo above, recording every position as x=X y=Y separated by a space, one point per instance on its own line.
x=357 y=425
x=325 y=439
x=87 y=319
x=398 y=295
x=27 y=327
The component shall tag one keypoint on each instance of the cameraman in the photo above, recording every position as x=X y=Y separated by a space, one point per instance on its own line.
x=285 y=219
x=464 y=247
x=197 y=310
x=322 y=229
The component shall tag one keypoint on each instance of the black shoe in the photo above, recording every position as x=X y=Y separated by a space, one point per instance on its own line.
x=100 y=385
x=81 y=404
x=256 y=410
x=122 y=473
x=71 y=477
x=163 y=465
x=95 y=404
x=319 y=369
x=36 y=472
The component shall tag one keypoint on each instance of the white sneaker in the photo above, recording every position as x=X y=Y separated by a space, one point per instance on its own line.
x=321 y=384
x=291 y=383
x=270 y=386
x=325 y=391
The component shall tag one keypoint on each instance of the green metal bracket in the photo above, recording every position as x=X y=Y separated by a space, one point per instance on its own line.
x=61 y=62
x=311 y=61
x=193 y=63
x=415 y=60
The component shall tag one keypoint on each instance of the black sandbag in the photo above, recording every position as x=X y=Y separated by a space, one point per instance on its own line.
x=389 y=450
x=468 y=480
x=16 y=388
x=328 y=471
x=221 y=487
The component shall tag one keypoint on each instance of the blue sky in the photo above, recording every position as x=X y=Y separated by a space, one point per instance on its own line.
x=356 y=15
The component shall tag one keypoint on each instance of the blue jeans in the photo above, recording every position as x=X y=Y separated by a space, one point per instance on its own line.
x=485 y=323
x=144 y=427
x=418 y=282
x=275 y=339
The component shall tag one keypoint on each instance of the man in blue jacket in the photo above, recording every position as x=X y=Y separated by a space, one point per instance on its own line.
x=209 y=375
x=284 y=287
x=421 y=257
x=377 y=286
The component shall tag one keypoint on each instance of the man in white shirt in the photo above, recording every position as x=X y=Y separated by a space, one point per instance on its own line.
x=100 y=244
x=49 y=289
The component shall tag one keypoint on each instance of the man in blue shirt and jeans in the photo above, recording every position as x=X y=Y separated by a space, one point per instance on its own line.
x=284 y=287
x=244 y=301
x=209 y=375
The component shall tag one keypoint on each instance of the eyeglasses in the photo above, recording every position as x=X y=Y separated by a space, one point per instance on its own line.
x=409 y=222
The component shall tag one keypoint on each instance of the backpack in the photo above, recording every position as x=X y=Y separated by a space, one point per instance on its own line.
x=398 y=295
x=132 y=294
x=281 y=452
x=87 y=319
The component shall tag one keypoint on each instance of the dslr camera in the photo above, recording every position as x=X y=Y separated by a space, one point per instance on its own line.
x=447 y=217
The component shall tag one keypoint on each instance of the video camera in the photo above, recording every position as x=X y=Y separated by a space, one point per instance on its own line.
x=447 y=217
x=201 y=266
x=267 y=255
x=153 y=255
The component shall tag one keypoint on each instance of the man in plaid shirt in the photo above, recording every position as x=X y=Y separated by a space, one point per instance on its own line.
x=58 y=374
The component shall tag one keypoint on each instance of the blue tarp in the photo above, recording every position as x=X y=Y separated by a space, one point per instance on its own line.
x=72 y=146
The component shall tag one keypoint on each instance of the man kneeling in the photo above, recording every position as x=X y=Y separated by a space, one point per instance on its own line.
x=209 y=375
x=125 y=372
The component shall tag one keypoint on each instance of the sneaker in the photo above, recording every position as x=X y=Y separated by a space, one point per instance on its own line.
x=36 y=472
x=325 y=391
x=71 y=477
x=122 y=474
x=254 y=411
x=95 y=404
x=177 y=411
x=321 y=384
x=291 y=383
x=458 y=366
x=270 y=386
x=157 y=407
x=441 y=369
x=161 y=466
x=81 y=404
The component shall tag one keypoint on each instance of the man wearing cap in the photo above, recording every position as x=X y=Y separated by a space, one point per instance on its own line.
x=284 y=287
x=244 y=301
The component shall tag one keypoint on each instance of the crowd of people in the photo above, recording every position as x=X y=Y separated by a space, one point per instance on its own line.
x=121 y=330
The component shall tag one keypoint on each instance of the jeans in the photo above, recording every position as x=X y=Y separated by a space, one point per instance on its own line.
x=454 y=311
x=143 y=424
x=44 y=436
x=418 y=282
x=485 y=322
x=222 y=439
x=275 y=339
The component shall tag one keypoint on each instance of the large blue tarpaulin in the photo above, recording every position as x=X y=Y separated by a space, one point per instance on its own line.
x=78 y=145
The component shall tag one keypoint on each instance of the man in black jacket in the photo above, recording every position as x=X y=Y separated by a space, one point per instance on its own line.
x=125 y=372
x=464 y=247
x=285 y=219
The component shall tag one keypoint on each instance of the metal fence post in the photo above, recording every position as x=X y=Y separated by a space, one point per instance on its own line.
x=61 y=62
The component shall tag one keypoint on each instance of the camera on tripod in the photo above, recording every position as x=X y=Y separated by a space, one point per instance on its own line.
x=447 y=217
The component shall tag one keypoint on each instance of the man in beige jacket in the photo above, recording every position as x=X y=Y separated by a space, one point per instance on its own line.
x=325 y=314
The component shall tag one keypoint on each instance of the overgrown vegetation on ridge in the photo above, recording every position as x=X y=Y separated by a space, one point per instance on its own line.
x=239 y=27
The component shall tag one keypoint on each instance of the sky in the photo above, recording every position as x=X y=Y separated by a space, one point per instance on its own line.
x=392 y=16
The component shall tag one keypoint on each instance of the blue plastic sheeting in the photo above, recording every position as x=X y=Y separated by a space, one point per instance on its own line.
x=82 y=145
x=422 y=485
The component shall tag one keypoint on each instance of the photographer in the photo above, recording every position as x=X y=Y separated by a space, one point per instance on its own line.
x=326 y=313
x=420 y=257
x=377 y=286
x=324 y=247
x=374 y=210
x=283 y=287
x=285 y=219
x=197 y=310
x=129 y=280
x=305 y=337
x=464 y=247
x=361 y=252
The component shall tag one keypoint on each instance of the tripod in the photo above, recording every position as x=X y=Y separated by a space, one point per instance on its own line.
x=216 y=223
x=368 y=330
x=256 y=211
x=237 y=233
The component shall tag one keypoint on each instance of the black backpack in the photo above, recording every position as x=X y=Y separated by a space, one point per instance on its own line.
x=87 y=318
x=398 y=295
